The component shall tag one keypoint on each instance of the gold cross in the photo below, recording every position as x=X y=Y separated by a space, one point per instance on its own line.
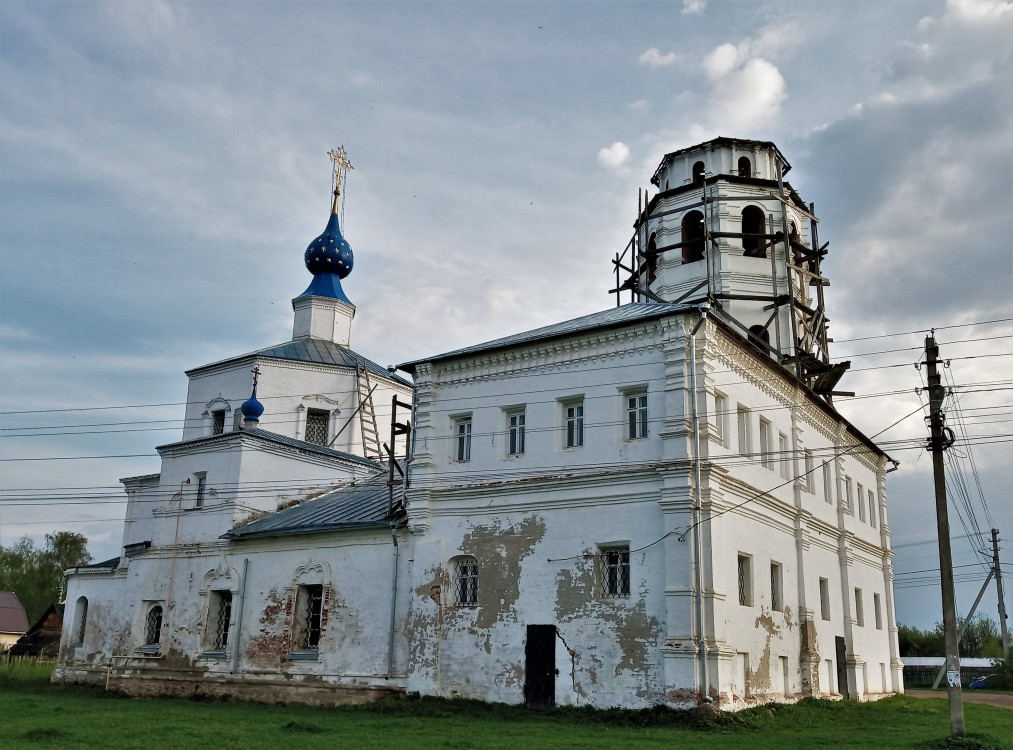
x=341 y=166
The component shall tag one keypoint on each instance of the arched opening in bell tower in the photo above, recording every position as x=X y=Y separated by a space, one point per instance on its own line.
x=698 y=173
x=754 y=222
x=745 y=167
x=692 y=237
x=652 y=259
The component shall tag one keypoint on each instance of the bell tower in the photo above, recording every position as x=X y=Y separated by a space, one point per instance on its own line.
x=727 y=229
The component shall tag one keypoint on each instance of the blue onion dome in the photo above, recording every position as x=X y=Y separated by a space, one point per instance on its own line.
x=329 y=258
x=252 y=408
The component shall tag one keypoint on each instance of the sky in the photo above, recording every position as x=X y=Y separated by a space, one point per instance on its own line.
x=163 y=167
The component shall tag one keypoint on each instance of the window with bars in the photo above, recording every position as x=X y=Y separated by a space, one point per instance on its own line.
x=202 y=479
x=745 y=576
x=310 y=608
x=317 y=422
x=218 y=421
x=614 y=572
x=776 y=589
x=462 y=431
x=219 y=620
x=515 y=426
x=636 y=416
x=153 y=626
x=466 y=582
x=80 y=620
x=574 y=424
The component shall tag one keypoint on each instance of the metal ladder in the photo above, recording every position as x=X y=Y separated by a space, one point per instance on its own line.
x=367 y=415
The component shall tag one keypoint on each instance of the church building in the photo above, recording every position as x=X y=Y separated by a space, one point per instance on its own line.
x=653 y=504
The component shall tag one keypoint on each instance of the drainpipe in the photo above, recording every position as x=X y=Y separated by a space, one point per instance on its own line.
x=393 y=603
x=239 y=616
x=698 y=509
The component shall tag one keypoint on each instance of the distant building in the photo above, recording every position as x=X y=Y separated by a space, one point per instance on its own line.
x=42 y=640
x=653 y=504
x=13 y=622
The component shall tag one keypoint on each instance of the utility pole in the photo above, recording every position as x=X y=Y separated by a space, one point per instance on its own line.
x=998 y=586
x=938 y=442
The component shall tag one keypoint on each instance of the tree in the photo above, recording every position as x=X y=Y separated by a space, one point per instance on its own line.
x=981 y=638
x=36 y=574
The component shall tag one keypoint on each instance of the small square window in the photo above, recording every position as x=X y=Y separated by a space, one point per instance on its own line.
x=317 y=423
x=466 y=582
x=515 y=428
x=614 y=572
x=745 y=576
x=462 y=439
x=636 y=416
x=574 y=418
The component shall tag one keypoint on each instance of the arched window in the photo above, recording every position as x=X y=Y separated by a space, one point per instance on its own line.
x=754 y=222
x=698 y=170
x=652 y=259
x=759 y=336
x=466 y=581
x=692 y=237
x=153 y=626
x=80 y=620
x=745 y=167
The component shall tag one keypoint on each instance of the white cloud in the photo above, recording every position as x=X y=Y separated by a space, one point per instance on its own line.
x=693 y=7
x=614 y=156
x=655 y=59
x=748 y=97
x=721 y=61
x=978 y=11
x=639 y=106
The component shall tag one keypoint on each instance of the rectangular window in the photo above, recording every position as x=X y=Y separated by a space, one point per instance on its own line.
x=745 y=573
x=745 y=438
x=784 y=455
x=810 y=469
x=849 y=500
x=859 y=608
x=515 y=423
x=219 y=620
x=202 y=480
x=872 y=508
x=462 y=433
x=614 y=571
x=636 y=416
x=776 y=595
x=766 y=449
x=860 y=494
x=574 y=424
x=153 y=626
x=720 y=418
x=831 y=674
x=218 y=421
x=316 y=426
x=824 y=598
x=466 y=582
x=309 y=614
x=828 y=484
x=877 y=611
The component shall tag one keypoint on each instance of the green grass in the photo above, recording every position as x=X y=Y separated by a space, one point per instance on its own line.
x=39 y=715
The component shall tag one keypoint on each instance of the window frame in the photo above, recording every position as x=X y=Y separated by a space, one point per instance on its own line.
x=635 y=403
x=825 y=599
x=766 y=443
x=860 y=494
x=218 y=629
x=614 y=573
x=776 y=586
x=877 y=610
x=828 y=483
x=309 y=621
x=744 y=577
x=466 y=581
x=573 y=423
x=743 y=424
x=809 y=481
x=154 y=620
x=720 y=418
x=859 y=608
x=218 y=421
x=516 y=419
x=462 y=438
x=784 y=457
x=201 y=491
x=80 y=620
x=873 y=510
x=317 y=419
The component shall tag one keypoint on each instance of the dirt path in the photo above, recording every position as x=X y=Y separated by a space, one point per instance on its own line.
x=1003 y=700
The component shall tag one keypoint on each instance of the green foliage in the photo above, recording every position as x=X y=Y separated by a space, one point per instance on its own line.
x=36 y=574
x=981 y=639
x=1003 y=674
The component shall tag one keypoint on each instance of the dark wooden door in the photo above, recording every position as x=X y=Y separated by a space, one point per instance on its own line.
x=540 y=666
x=842 y=667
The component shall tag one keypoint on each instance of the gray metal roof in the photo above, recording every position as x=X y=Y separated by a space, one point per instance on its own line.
x=358 y=505
x=613 y=317
x=273 y=437
x=317 y=351
x=12 y=614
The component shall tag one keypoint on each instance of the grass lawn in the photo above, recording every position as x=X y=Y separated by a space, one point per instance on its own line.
x=36 y=714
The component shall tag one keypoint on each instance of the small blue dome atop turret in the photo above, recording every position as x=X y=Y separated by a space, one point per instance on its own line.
x=329 y=258
x=252 y=408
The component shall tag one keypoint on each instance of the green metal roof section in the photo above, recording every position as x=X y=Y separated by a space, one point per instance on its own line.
x=358 y=505
x=614 y=317
x=312 y=350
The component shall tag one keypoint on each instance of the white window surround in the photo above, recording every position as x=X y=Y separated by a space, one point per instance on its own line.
x=573 y=422
x=743 y=423
x=635 y=409
x=217 y=404
x=465 y=581
x=516 y=430
x=614 y=571
x=766 y=444
x=745 y=579
x=776 y=586
x=462 y=426
x=719 y=418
